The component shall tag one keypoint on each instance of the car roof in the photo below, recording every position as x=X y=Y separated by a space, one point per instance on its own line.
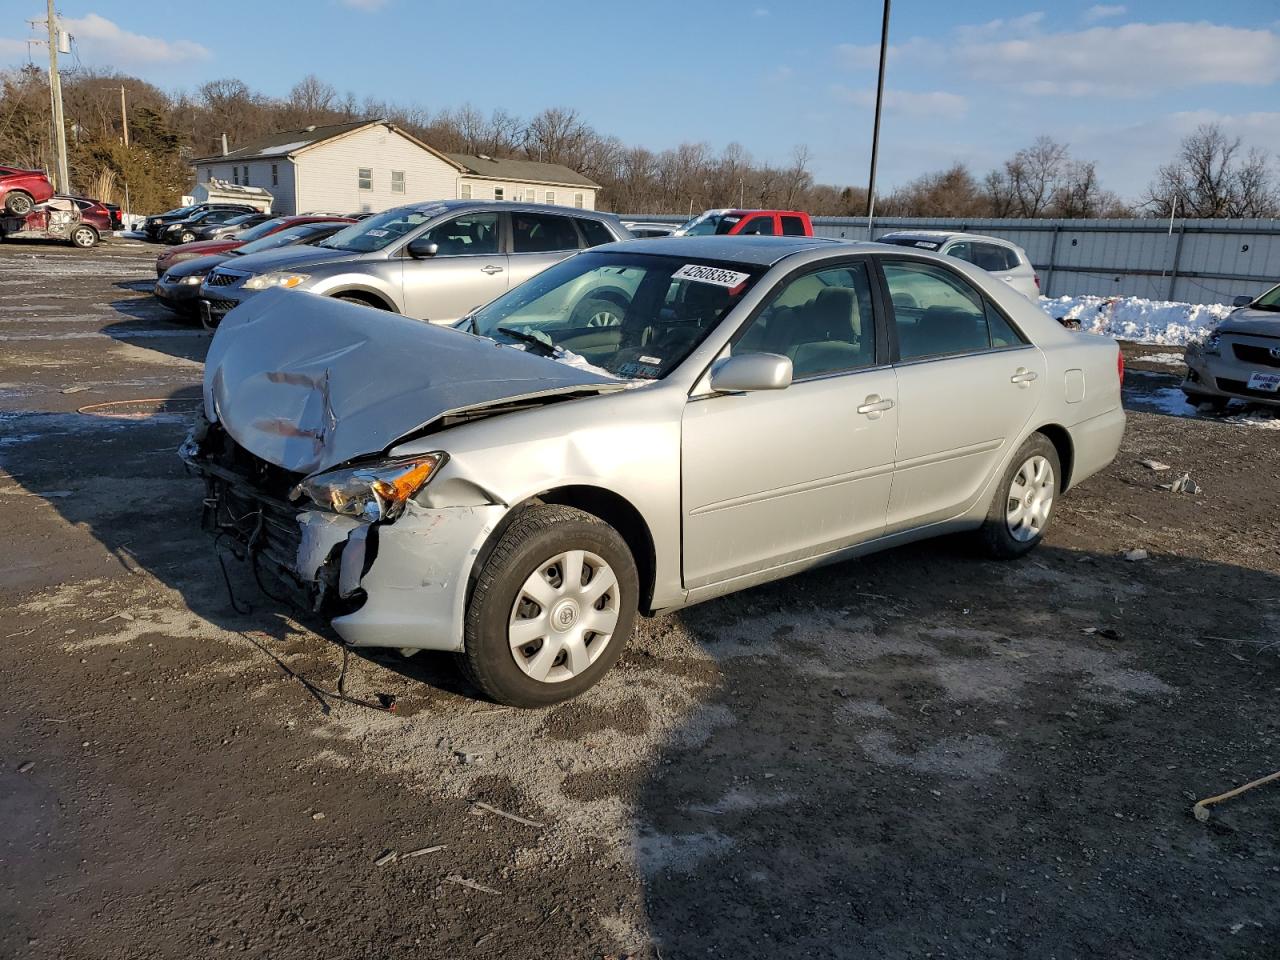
x=434 y=207
x=757 y=251
x=945 y=235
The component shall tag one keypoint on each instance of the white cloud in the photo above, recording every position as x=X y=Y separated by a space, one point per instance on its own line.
x=932 y=103
x=11 y=49
x=1104 y=11
x=1127 y=60
x=100 y=40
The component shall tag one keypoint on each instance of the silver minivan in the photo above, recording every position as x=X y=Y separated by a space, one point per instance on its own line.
x=431 y=261
x=1000 y=258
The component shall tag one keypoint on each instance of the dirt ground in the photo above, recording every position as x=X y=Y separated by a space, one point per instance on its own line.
x=919 y=754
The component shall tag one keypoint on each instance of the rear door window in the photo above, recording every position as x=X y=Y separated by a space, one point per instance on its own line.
x=542 y=233
x=938 y=313
x=793 y=227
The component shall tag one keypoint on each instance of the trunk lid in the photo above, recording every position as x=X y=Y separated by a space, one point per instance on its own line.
x=308 y=383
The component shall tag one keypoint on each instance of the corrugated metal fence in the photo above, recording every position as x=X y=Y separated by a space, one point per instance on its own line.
x=1198 y=261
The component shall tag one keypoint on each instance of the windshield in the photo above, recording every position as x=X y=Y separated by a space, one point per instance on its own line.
x=261 y=230
x=632 y=316
x=1269 y=300
x=181 y=211
x=282 y=238
x=379 y=231
x=709 y=224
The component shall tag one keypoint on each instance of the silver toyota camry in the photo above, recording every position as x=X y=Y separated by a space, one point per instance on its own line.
x=643 y=426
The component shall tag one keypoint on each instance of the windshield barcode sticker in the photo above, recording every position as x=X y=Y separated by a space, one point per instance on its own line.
x=376 y=233
x=701 y=274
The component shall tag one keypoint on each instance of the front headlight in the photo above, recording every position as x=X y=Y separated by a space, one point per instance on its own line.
x=278 y=279
x=373 y=491
x=192 y=280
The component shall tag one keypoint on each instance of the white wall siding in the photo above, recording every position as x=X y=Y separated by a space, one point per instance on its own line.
x=518 y=190
x=327 y=175
x=283 y=193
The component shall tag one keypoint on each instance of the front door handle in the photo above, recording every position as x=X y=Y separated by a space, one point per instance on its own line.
x=491 y=269
x=1023 y=377
x=873 y=406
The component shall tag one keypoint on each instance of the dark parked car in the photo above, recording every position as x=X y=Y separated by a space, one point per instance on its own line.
x=154 y=225
x=184 y=231
x=179 y=287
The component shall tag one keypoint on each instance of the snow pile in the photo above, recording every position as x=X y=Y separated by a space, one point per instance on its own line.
x=1137 y=319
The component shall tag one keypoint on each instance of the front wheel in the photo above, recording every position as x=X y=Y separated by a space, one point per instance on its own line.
x=1023 y=504
x=84 y=237
x=186 y=237
x=553 y=606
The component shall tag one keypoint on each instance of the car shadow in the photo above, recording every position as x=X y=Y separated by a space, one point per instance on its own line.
x=927 y=754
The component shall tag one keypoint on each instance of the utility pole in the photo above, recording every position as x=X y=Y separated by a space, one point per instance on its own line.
x=875 y=134
x=124 y=117
x=55 y=97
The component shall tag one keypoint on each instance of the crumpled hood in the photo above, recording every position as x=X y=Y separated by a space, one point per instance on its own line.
x=288 y=258
x=1256 y=323
x=308 y=383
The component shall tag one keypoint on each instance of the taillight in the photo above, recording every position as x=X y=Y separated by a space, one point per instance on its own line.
x=1120 y=366
x=1037 y=276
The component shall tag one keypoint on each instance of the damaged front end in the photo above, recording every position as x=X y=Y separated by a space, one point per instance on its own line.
x=351 y=544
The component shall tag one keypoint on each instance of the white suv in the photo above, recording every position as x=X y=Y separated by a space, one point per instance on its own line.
x=1002 y=259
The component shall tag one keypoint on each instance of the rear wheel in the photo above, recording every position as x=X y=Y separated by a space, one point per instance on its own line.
x=18 y=204
x=84 y=237
x=1023 y=504
x=597 y=312
x=552 y=608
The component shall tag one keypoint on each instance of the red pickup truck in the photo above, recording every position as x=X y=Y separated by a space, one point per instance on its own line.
x=740 y=223
x=21 y=190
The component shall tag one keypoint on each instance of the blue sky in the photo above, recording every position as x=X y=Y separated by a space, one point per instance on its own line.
x=973 y=81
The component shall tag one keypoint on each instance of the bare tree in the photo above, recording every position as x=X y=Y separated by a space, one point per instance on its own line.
x=1208 y=178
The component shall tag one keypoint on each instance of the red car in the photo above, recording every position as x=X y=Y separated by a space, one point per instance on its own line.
x=93 y=213
x=21 y=190
x=204 y=248
x=743 y=223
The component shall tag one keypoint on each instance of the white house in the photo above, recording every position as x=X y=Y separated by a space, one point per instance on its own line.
x=370 y=165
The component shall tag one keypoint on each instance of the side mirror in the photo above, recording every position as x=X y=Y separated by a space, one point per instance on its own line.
x=1242 y=301
x=751 y=371
x=421 y=248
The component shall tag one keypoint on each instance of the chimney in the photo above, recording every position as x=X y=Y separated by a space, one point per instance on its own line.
x=225 y=151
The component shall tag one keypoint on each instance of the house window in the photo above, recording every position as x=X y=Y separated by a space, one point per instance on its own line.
x=208 y=174
x=530 y=195
x=397 y=181
x=235 y=175
x=365 y=178
x=466 y=191
x=275 y=175
x=499 y=193
x=578 y=199
x=246 y=176
x=551 y=196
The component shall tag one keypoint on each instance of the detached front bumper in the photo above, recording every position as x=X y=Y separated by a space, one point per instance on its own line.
x=399 y=584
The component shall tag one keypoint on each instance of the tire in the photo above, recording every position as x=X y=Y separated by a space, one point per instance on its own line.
x=1212 y=404
x=597 y=312
x=186 y=237
x=1001 y=536
x=535 y=550
x=83 y=237
x=360 y=301
x=18 y=204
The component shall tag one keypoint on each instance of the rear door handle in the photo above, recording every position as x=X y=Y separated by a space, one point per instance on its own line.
x=1023 y=376
x=491 y=269
x=873 y=406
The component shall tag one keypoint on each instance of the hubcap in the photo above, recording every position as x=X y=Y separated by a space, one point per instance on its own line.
x=564 y=616
x=1030 y=499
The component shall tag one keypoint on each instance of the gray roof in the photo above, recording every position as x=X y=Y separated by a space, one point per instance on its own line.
x=527 y=171
x=755 y=250
x=280 y=144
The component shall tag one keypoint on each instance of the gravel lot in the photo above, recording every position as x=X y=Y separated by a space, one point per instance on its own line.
x=917 y=754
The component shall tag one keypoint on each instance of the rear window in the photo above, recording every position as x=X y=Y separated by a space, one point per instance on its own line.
x=793 y=227
x=910 y=242
x=594 y=232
